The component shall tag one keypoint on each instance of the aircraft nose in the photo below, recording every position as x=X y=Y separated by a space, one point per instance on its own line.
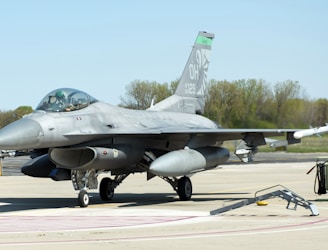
x=21 y=134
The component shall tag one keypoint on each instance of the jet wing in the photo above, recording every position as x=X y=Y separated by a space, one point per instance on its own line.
x=227 y=134
x=253 y=137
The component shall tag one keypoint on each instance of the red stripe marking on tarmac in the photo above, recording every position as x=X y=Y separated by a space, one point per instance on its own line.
x=180 y=236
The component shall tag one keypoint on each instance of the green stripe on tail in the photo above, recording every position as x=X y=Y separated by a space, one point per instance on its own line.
x=204 y=40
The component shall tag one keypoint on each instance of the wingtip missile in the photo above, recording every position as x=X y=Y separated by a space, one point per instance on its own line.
x=311 y=131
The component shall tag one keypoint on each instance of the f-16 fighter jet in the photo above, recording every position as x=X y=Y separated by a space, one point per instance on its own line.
x=73 y=136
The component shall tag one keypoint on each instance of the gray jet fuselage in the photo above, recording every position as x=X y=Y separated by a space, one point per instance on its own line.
x=98 y=121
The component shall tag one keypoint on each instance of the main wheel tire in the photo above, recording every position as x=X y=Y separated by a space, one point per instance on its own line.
x=106 y=189
x=184 y=188
x=83 y=198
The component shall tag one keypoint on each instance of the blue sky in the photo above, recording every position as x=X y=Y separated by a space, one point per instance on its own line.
x=102 y=46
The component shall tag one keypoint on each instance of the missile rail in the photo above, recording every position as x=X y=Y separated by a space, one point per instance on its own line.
x=284 y=193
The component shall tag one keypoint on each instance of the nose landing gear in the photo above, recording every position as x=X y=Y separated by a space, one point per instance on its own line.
x=83 y=198
x=84 y=180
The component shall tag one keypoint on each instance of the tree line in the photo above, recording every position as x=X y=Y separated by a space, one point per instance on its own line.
x=10 y=116
x=245 y=103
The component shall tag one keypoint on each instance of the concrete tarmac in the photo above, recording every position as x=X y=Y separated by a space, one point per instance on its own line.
x=43 y=214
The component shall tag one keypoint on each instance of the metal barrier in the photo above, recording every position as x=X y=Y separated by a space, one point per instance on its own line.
x=284 y=193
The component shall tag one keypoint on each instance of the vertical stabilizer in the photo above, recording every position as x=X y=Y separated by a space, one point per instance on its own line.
x=189 y=96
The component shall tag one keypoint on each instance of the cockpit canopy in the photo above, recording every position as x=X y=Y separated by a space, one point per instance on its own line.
x=65 y=100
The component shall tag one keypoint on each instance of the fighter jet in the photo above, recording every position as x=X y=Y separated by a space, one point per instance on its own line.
x=73 y=136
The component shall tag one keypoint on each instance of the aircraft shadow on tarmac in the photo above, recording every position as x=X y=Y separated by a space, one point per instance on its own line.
x=120 y=200
x=135 y=200
x=22 y=204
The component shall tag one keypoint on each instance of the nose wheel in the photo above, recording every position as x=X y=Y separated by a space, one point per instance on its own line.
x=83 y=198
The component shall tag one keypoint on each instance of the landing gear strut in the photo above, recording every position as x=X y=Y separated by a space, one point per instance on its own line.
x=84 y=180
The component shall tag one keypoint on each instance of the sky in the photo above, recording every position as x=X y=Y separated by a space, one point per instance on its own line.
x=102 y=46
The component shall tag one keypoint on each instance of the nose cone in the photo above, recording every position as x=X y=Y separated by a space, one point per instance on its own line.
x=21 y=134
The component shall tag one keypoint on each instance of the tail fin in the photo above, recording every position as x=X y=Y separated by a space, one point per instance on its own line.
x=189 y=96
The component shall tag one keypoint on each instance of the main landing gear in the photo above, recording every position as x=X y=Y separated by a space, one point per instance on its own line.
x=106 y=189
x=184 y=189
x=182 y=186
